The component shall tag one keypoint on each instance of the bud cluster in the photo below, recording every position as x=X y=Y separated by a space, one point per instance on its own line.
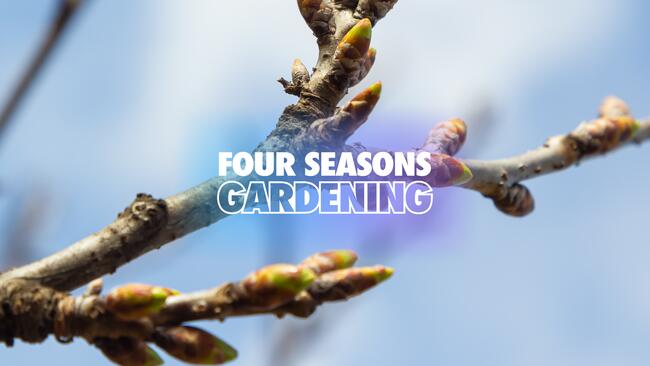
x=325 y=276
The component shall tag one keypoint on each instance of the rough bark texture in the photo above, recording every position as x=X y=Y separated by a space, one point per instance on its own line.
x=139 y=229
x=500 y=179
x=34 y=300
x=33 y=297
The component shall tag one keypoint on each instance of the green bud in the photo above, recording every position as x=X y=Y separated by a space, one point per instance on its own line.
x=356 y=42
x=346 y=283
x=277 y=284
x=136 y=300
x=329 y=261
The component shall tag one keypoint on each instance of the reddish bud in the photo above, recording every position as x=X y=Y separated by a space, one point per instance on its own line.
x=604 y=134
x=128 y=352
x=447 y=137
x=193 y=345
x=447 y=171
x=517 y=201
x=362 y=105
x=366 y=64
x=318 y=16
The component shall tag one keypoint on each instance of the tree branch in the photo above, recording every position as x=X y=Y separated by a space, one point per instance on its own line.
x=501 y=179
x=150 y=223
x=143 y=313
x=33 y=297
x=64 y=13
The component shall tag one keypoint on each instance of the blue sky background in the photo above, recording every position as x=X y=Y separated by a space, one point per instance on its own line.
x=142 y=95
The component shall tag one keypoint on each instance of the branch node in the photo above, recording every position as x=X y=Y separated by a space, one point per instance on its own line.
x=515 y=200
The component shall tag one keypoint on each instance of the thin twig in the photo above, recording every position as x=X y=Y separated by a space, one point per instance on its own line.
x=64 y=13
x=500 y=179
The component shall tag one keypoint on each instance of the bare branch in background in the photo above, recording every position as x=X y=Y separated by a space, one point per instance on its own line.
x=483 y=122
x=64 y=13
x=279 y=244
x=295 y=338
x=27 y=215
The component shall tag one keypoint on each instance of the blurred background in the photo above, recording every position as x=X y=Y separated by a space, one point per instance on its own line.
x=140 y=96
